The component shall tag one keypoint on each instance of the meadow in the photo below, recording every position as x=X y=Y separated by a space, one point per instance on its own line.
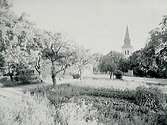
x=90 y=101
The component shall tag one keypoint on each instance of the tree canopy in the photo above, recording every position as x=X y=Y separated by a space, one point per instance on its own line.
x=110 y=62
x=151 y=61
x=58 y=51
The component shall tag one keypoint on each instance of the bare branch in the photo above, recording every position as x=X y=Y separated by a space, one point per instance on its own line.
x=58 y=50
x=62 y=68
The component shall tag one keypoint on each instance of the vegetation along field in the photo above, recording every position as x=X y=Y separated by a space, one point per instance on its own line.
x=67 y=104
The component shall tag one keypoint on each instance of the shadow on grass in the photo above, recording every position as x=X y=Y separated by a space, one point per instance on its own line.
x=155 y=84
x=6 y=82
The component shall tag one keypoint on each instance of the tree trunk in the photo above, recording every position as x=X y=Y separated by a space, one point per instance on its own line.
x=11 y=76
x=10 y=73
x=40 y=76
x=80 y=73
x=64 y=72
x=110 y=75
x=38 y=68
x=53 y=74
x=54 y=80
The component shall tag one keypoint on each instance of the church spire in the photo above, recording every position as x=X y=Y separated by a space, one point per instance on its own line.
x=127 y=48
x=127 y=41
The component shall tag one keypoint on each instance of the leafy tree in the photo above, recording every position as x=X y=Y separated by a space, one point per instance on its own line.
x=154 y=53
x=17 y=39
x=124 y=65
x=59 y=52
x=151 y=61
x=96 y=58
x=161 y=49
x=110 y=62
x=83 y=58
x=135 y=63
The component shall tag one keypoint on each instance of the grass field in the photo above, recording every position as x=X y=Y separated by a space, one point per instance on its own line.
x=103 y=81
x=91 y=101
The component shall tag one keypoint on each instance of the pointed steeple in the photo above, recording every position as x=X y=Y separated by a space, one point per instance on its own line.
x=127 y=41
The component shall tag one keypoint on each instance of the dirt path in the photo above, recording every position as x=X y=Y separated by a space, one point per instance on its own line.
x=10 y=97
x=15 y=94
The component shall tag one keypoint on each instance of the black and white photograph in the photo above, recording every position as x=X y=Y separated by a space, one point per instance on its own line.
x=83 y=62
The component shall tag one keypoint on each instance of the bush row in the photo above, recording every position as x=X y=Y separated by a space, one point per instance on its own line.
x=149 y=97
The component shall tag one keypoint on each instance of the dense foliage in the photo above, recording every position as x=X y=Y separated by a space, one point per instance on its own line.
x=18 y=45
x=110 y=62
x=151 y=60
x=118 y=74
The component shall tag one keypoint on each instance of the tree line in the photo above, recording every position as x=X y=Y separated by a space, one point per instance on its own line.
x=150 y=61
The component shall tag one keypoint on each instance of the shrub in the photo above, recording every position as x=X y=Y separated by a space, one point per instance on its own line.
x=150 y=97
x=162 y=118
x=26 y=76
x=118 y=74
x=75 y=76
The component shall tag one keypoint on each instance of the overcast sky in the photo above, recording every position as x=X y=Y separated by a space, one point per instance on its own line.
x=97 y=24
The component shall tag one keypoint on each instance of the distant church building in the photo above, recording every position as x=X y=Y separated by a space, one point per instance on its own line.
x=127 y=48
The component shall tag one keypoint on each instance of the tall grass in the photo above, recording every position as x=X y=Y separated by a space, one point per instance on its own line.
x=37 y=110
x=77 y=114
x=29 y=111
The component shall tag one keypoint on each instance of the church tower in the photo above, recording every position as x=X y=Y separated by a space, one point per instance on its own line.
x=127 y=48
